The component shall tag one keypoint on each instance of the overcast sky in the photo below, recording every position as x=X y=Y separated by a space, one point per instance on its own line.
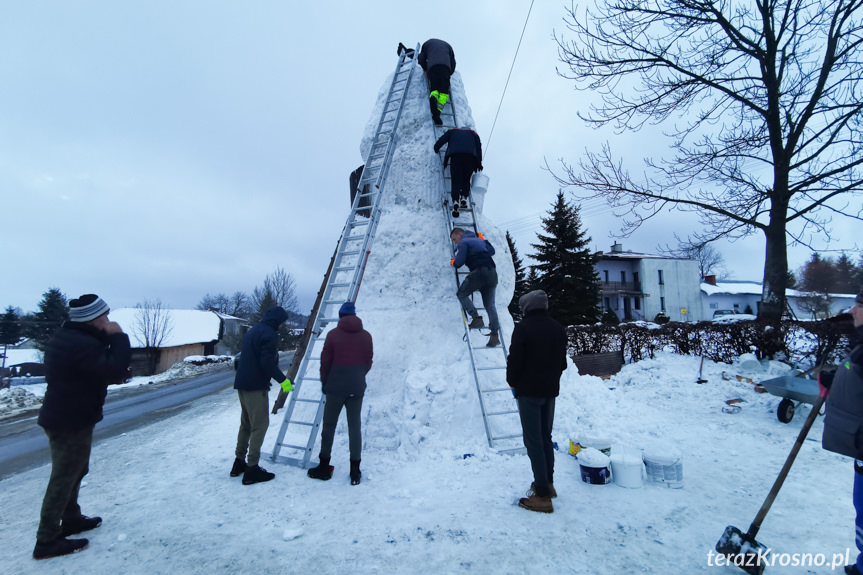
x=169 y=149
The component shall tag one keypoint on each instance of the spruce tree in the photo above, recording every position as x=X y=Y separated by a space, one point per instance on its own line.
x=566 y=269
x=520 y=279
x=10 y=330
x=53 y=311
x=845 y=275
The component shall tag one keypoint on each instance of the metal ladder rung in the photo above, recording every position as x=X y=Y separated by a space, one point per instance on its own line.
x=292 y=446
x=341 y=285
x=497 y=390
x=356 y=223
x=344 y=268
x=513 y=436
x=352 y=253
x=306 y=400
x=297 y=422
x=501 y=413
x=489 y=368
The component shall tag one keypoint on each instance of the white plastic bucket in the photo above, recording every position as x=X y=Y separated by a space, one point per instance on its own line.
x=628 y=469
x=664 y=465
x=602 y=444
x=594 y=466
x=478 y=188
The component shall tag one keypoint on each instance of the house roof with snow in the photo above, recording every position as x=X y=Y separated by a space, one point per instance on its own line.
x=188 y=326
x=742 y=287
x=617 y=253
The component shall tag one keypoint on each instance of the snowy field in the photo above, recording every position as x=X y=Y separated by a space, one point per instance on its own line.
x=169 y=505
x=435 y=499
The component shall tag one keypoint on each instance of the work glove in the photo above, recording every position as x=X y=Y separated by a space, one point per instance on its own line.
x=452 y=262
x=825 y=380
x=287 y=386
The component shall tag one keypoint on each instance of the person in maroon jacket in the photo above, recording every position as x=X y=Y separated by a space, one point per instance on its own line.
x=345 y=360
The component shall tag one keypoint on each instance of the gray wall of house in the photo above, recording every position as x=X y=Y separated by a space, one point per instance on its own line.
x=672 y=286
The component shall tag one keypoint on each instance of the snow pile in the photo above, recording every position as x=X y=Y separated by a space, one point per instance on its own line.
x=17 y=399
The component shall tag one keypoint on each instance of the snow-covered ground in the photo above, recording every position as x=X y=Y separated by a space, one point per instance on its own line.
x=435 y=498
x=169 y=505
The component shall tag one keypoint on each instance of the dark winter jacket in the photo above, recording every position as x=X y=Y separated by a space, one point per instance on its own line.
x=259 y=356
x=843 y=420
x=460 y=141
x=436 y=52
x=474 y=252
x=346 y=358
x=80 y=363
x=537 y=355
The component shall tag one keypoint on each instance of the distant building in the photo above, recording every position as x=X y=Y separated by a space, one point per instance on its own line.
x=193 y=332
x=739 y=295
x=638 y=286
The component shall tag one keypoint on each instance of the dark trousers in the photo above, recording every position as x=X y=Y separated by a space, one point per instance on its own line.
x=858 y=508
x=70 y=462
x=483 y=280
x=353 y=408
x=254 y=421
x=439 y=78
x=461 y=168
x=537 y=419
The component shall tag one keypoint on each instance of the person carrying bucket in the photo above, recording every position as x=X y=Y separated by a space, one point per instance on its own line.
x=537 y=358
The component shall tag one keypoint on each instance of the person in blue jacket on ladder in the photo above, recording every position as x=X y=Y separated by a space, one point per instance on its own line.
x=476 y=252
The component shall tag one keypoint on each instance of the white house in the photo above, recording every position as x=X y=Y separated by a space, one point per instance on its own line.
x=638 y=286
x=737 y=296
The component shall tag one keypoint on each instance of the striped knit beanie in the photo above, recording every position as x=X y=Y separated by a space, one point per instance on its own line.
x=87 y=308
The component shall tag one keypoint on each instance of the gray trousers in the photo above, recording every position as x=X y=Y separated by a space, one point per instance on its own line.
x=70 y=462
x=483 y=280
x=537 y=419
x=353 y=408
x=254 y=421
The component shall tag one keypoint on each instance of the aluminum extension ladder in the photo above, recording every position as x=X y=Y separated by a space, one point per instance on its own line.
x=488 y=364
x=301 y=424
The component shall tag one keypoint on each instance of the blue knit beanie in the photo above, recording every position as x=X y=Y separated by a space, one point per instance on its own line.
x=347 y=309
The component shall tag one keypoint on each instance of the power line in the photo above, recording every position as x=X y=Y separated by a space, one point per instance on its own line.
x=507 y=78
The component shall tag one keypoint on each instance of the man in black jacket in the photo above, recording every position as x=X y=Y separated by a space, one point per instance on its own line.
x=537 y=357
x=843 y=418
x=85 y=356
x=258 y=363
x=438 y=60
x=464 y=156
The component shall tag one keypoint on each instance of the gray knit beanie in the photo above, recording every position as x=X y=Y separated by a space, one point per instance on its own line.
x=87 y=308
x=536 y=299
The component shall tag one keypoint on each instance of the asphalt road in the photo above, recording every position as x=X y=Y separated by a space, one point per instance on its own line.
x=23 y=444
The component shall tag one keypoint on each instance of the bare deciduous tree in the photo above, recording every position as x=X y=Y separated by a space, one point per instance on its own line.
x=278 y=289
x=153 y=325
x=238 y=304
x=710 y=260
x=762 y=101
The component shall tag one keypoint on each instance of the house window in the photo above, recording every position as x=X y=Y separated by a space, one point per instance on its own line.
x=714 y=306
x=737 y=307
x=661 y=282
x=661 y=303
x=605 y=275
x=622 y=277
x=607 y=303
x=635 y=277
x=637 y=302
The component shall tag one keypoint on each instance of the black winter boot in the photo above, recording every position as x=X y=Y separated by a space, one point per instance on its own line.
x=256 y=474
x=355 y=472
x=79 y=525
x=59 y=547
x=324 y=471
x=238 y=468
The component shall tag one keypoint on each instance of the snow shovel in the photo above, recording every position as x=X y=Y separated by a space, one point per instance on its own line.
x=741 y=549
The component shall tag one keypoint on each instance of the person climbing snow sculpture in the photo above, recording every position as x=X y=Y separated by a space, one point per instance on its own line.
x=438 y=60
x=464 y=156
x=477 y=252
